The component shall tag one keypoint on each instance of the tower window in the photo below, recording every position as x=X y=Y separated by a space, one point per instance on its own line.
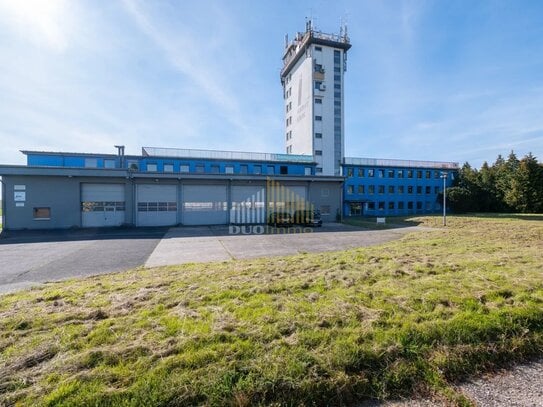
x=318 y=48
x=318 y=118
x=318 y=152
x=318 y=135
x=318 y=101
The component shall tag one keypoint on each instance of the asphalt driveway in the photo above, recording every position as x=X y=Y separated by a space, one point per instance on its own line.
x=30 y=258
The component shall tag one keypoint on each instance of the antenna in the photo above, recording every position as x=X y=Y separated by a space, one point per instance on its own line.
x=286 y=40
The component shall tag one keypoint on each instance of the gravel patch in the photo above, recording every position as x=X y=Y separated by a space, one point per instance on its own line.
x=521 y=386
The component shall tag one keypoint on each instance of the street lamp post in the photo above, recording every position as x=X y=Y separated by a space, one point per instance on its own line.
x=444 y=176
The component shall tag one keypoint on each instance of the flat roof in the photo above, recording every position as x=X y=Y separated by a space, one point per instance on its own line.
x=389 y=162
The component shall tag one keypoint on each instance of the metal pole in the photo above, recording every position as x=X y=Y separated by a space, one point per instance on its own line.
x=444 y=176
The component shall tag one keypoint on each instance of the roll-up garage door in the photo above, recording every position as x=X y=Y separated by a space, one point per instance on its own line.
x=287 y=198
x=248 y=204
x=204 y=204
x=102 y=205
x=157 y=205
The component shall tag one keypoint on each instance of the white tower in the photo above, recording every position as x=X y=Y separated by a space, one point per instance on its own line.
x=312 y=79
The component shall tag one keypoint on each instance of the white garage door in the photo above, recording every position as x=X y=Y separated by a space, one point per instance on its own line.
x=102 y=205
x=287 y=198
x=157 y=205
x=204 y=204
x=248 y=205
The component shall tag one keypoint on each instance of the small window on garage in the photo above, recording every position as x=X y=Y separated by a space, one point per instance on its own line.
x=168 y=167
x=151 y=167
x=42 y=213
x=325 y=209
x=283 y=169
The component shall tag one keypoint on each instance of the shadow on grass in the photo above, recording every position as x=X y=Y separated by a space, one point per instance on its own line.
x=391 y=222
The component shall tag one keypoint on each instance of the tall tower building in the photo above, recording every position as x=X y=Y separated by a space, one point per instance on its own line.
x=312 y=79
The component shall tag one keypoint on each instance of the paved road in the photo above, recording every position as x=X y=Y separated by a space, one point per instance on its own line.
x=29 y=258
x=217 y=243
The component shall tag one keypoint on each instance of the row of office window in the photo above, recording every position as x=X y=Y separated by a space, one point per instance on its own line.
x=392 y=189
x=381 y=173
x=227 y=169
x=356 y=208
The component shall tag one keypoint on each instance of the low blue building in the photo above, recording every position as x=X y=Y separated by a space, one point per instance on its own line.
x=166 y=186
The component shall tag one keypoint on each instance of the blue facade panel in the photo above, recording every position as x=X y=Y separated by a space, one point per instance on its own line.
x=387 y=191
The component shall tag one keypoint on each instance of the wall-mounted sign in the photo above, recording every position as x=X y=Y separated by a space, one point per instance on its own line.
x=19 y=196
x=19 y=187
x=19 y=204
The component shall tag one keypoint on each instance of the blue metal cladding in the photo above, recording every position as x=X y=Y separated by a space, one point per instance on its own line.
x=195 y=166
x=388 y=191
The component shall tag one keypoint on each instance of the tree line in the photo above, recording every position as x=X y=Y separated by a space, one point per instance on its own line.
x=508 y=185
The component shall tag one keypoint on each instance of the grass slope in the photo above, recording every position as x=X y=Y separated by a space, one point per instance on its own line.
x=408 y=317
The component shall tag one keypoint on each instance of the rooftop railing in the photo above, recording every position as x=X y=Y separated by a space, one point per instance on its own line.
x=223 y=155
x=383 y=162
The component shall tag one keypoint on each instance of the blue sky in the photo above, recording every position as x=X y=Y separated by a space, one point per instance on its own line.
x=431 y=80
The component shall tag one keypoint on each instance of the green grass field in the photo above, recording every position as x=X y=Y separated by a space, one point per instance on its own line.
x=403 y=319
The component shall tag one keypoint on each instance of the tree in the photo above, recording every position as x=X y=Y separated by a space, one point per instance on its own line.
x=526 y=186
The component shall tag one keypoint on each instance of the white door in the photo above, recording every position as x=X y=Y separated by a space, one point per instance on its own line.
x=102 y=205
x=157 y=205
x=248 y=205
x=204 y=204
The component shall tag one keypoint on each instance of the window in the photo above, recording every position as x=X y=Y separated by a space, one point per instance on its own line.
x=371 y=206
x=318 y=118
x=381 y=206
x=400 y=189
x=318 y=152
x=381 y=173
x=400 y=205
x=391 y=173
x=428 y=174
x=200 y=168
x=419 y=190
x=419 y=205
x=325 y=209
x=436 y=190
x=318 y=170
x=283 y=170
x=381 y=189
x=228 y=169
x=151 y=167
x=371 y=173
x=307 y=170
x=168 y=167
x=318 y=135
x=42 y=213
x=318 y=101
x=109 y=163
x=391 y=205
x=436 y=174
x=428 y=206
x=132 y=165
x=270 y=170
x=337 y=77
x=428 y=190
x=409 y=173
x=419 y=174
x=184 y=168
x=243 y=169
x=91 y=162
x=318 y=68
x=337 y=69
x=410 y=205
x=371 y=189
x=350 y=172
x=410 y=189
x=361 y=189
x=400 y=173
x=215 y=169
x=361 y=172
x=337 y=86
x=257 y=169
x=318 y=48
x=350 y=189
x=318 y=85
x=391 y=189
